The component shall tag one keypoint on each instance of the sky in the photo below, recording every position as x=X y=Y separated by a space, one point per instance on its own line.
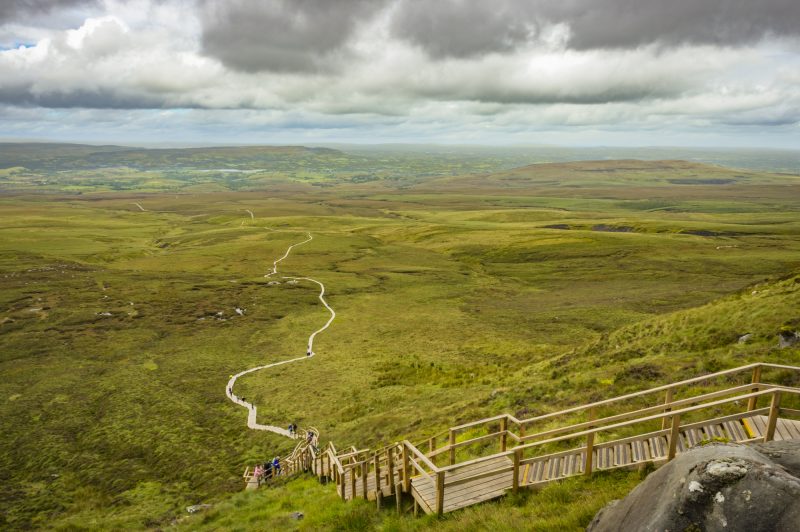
x=501 y=72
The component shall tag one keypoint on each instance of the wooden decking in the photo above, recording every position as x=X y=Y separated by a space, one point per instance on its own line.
x=650 y=426
x=470 y=491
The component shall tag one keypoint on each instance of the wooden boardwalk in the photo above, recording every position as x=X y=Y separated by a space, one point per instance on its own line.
x=572 y=463
x=647 y=427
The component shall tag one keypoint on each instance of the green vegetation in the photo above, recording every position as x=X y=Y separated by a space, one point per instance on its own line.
x=457 y=298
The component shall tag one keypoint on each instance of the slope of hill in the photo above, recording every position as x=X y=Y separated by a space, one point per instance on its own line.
x=665 y=348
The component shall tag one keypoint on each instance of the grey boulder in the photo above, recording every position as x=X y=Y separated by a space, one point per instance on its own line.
x=715 y=487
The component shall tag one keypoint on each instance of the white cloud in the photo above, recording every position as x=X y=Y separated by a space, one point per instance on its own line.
x=148 y=55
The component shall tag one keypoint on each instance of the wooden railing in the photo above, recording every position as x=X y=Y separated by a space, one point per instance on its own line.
x=503 y=424
x=390 y=470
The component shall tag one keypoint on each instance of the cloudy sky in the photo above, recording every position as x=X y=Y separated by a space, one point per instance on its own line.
x=573 y=72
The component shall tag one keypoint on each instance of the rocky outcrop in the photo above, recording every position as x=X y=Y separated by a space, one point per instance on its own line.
x=788 y=339
x=715 y=487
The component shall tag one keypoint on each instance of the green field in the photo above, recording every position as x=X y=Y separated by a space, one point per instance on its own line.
x=458 y=295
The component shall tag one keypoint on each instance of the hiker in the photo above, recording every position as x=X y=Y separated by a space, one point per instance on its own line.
x=276 y=465
x=310 y=437
x=258 y=474
x=267 y=470
x=308 y=353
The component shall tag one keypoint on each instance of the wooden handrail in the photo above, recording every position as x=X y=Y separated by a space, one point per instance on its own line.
x=421 y=456
x=671 y=386
x=656 y=408
x=480 y=422
x=421 y=470
x=653 y=390
x=522 y=422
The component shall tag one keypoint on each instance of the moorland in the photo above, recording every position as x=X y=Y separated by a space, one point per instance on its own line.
x=462 y=289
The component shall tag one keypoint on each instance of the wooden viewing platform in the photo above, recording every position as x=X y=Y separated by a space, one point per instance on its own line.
x=742 y=405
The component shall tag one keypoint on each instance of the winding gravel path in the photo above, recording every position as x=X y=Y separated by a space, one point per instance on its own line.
x=252 y=410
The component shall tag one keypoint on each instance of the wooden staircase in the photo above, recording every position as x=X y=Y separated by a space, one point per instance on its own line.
x=646 y=427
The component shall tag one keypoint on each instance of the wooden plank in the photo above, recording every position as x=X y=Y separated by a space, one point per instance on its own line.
x=637 y=451
x=658 y=445
x=472 y=485
x=478 y=476
x=569 y=465
x=464 y=497
x=759 y=425
x=734 y=430
x=781 y=431
x=501 y=482
x=693 y=437
x=539 y=471
x=793 y=427
x=680 y=442
x=481 y=467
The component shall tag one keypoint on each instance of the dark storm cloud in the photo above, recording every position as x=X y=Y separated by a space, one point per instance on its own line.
x=303 y=35
x=17 y=10
x=105 y=98
x=461 y=28
x=280 y=35
x=464 y=28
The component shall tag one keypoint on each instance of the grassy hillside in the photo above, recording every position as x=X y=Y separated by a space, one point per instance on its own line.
x=657 y=350
x=455 y=298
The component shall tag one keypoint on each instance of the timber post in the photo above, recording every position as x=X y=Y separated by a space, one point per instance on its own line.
x=390 y=460
x=589 y=454
x=774 y=410
x=406 y=465
x=377 y=478
x=364 y=473
x=515 y=476
x=667 y=400
x=674 y=434
x=439 y=493
x=753 y=402
x=452 y=447
x=398 y=496
x=503 y=434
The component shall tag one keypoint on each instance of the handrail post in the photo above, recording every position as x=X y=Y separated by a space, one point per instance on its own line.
x=753 y=402
x=515 y=476
x=774 y=410
x=452 y=448
x=364 y=473
x=406 y=476
x=589 y=454
x=377 y=477
x=432 y=444
x=667 y=400
x=390 y=460
x=342 y=477
x=674 y=434
x=439 y=493
x=503 y=434
x=352 y=482
x=590 y=444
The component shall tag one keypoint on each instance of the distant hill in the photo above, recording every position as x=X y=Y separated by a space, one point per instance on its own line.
x=56 y=157
x=613 y=173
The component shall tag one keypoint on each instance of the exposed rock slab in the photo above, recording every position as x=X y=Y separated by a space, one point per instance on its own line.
x=716 y=487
